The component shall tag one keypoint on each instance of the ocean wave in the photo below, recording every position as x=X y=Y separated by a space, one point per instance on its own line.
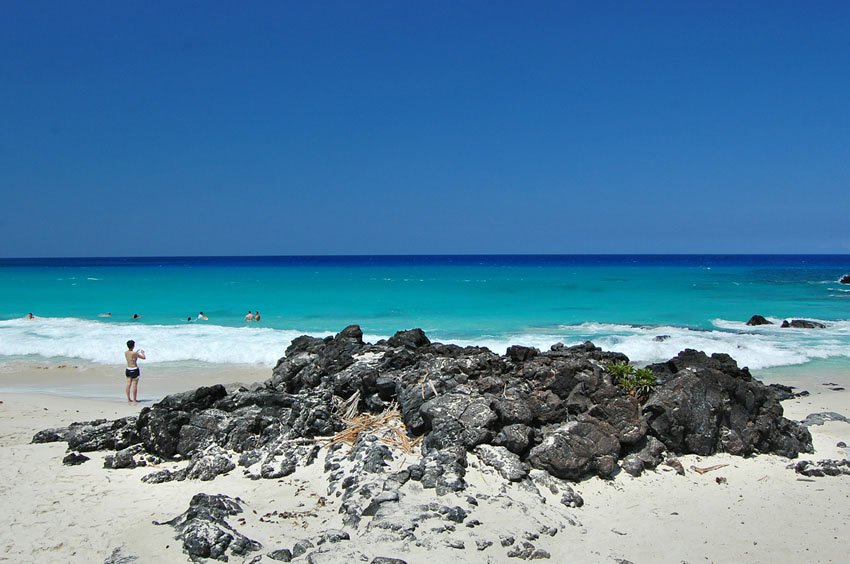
x=754 y=347
x=104 y=342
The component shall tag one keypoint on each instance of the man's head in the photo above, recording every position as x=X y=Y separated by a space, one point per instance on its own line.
x=131 y=344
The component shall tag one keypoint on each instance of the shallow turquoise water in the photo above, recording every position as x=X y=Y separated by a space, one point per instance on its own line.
x=622 y=302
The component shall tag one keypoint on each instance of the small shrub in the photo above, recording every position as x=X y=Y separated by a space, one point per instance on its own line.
x=637 y=382
x=645 y=381
x=620 y=370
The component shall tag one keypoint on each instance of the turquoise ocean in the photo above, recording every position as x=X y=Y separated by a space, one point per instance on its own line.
x=648 y=306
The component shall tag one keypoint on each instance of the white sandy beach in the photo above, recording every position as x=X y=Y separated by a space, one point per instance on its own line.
x=50 y=512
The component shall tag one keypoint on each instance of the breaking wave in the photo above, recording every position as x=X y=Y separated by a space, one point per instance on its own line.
x=103 y=343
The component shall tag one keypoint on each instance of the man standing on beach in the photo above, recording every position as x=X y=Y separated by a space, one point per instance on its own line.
x=132 y=372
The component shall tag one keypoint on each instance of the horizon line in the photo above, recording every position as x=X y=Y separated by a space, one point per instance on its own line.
x=406 y=255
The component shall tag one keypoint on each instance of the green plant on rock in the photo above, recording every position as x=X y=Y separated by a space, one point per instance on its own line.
x=620 y=371
x=637 y=382
x=645 y=381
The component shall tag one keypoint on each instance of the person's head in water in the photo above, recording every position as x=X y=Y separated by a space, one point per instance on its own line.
x=131 y=344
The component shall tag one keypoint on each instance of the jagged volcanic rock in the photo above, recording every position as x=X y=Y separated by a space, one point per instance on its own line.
x=707 y=404
x=555 y=410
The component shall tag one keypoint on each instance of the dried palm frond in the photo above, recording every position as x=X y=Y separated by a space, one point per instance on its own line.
x=348 y=409
x=388 y=426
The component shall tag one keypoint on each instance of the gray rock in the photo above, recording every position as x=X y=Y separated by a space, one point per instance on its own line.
x=519 y=353
x=442 y=470
x=823 y=417
x=707 y=404
x=456 y=514
x=381 y=498
x=207 y=467
x=676 y=465
x=275 y=467
x=205 y=532
x=649 y=456
x=333 y=536
x=457 y=418
x=571 y=498
x=578 y=449
x=119 y=556
x=516 y=437
x=822 y=468
x=633 y=465
x=621 y=411
x=282 y=555
x=522 y=551
x=124 y=458
x=802 y=324
x=301 y=547
x=504 y=461
x=92 y=436
x=75 y=459
x=412 y=339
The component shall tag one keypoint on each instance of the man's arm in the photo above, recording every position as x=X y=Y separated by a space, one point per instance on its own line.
x=140 y=354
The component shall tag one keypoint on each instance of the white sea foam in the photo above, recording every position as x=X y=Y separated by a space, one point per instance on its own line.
x=103 y=342
x=754 y=347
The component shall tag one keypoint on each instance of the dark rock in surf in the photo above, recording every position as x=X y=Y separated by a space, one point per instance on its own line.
x=758 y=320
x=844 y=279
x=802 y=324
x=411 y=339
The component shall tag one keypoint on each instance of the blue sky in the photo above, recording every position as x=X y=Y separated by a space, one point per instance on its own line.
x=222 y=128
